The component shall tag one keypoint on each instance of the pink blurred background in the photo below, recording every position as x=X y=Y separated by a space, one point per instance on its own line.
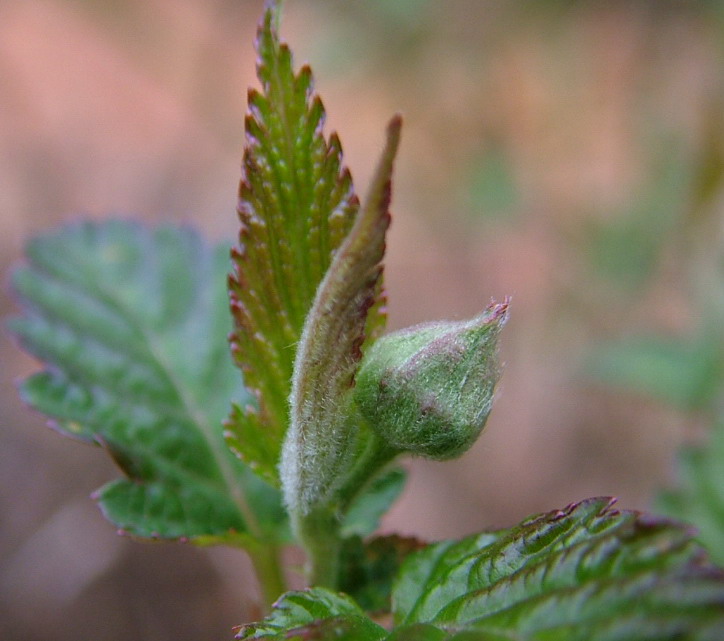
x=531 y=131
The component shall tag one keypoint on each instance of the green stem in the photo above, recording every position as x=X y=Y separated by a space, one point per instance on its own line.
x=319 y=533
x=375 y=456
x=265 y=559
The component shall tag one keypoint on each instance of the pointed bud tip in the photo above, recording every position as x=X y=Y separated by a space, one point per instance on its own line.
x=496 y=312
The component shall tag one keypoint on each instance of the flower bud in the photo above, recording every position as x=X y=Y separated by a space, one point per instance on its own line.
x=428 y=389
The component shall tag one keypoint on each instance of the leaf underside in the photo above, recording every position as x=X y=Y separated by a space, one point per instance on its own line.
x=130 y=326
x=584 y=573
x=296 y=205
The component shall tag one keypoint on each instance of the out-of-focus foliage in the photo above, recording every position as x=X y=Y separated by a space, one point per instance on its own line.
x=626 y=249
x=699 y=497
x=368 y=568
x=686 y=370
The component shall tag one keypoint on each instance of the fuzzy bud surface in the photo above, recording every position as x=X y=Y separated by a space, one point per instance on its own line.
x=428 y=389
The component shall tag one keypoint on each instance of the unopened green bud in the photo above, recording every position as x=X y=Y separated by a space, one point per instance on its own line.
x=428 y=389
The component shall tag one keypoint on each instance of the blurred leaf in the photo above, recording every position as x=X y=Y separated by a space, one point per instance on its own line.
x=130 y=324
x=625 y=248
x=492 y=189
x=370 y=33
x=587 y=572
x=699 y=498
x=368 y=568
x=296 y=205
x=364 y=514
x=687 y=374
x=316 y=613
x=402 y=13
x=709 y=165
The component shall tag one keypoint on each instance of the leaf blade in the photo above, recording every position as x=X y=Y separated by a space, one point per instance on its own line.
x=699 y=497
x=567 y=575
x=296 y=204
x=584 y=573
x=130 y=325
x=363 y=515
x=315 y=613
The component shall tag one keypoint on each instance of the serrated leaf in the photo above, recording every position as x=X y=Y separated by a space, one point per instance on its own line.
x=700 y=498
x=130 y=325
x=296 y=205
x=584 y=573
x=316 y=613
x=430 y=562
x=587 y=572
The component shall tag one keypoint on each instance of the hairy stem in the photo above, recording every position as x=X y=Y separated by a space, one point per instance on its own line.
x=319 y=531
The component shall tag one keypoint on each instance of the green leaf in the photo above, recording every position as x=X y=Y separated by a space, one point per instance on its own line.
x=587 y=572
x=584 y=573
x=296 y=205
x=492 y=190
x=417 y=632
x=625 y=246
x=316 y=613
x=130 y=325
x=685 y=372
x=700 y=497
x=367 y=568
x=364 y=514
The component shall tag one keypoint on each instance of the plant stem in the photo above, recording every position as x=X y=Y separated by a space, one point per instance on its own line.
x=267 y=567
x=319 y=534
x=376 y=455
x=265 y=559
x=319 y=531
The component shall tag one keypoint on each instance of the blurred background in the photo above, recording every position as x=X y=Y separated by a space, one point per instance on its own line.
x=567 y=153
